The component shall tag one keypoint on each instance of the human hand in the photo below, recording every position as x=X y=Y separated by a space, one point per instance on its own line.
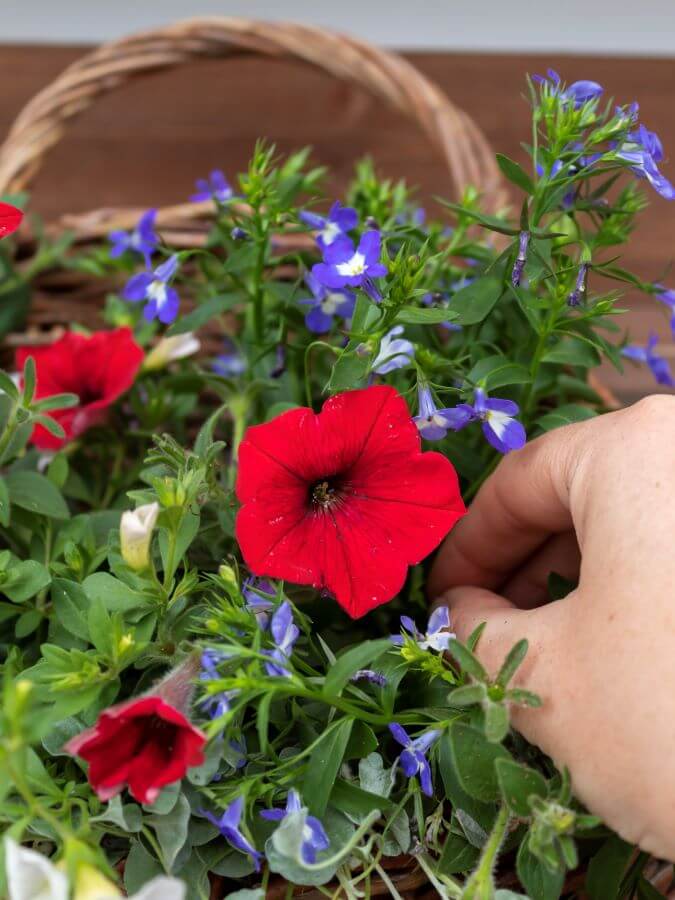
x=595 y=500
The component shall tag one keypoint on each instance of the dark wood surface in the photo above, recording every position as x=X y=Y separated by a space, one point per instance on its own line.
x=147 y=141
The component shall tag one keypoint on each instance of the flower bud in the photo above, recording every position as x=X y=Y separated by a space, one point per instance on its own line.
x=169 y=349
x=228 y=575
x=91 y=885
x=136 y=529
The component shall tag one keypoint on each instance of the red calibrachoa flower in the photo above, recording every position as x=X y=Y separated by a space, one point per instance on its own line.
x=344 y=500
x=99 y=369
x=144 y=744
x=10 y=219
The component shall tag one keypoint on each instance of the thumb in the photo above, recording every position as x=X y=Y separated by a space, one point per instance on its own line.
x=545 y=629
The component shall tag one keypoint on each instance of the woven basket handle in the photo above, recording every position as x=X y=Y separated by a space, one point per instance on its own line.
x=387 y=76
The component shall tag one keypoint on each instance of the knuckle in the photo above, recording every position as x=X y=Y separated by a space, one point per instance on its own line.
x=655 y=409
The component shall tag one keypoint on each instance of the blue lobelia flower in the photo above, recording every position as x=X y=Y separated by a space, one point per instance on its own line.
x=284 y=634
x=340 y=220
x=644 y=151
x=325 y=304
x=659 y=366
x=314 y=838
x=231 y=362
x=500 y=426
x=395 y=352
x=215 y=705
x=521 y=258
x=436 y=637
x=215 y=187
x=667 y=296
x=228 y=826
x=575 y=297
x=236 y=753
x=259 y=595
x=433 y=423
x=413 y=758
x=142 y=239
x=154 y=287
x=347 y=266
x=579 y=92
x=371 y=676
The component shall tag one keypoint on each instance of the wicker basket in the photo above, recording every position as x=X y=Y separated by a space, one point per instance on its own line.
x=451 y=132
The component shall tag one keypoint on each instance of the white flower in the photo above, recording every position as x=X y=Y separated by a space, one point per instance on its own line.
x=169 y=349
x=31 y=876
x=136 y=527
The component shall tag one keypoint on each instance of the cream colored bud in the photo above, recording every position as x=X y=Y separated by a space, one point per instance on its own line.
x=136 y=529
x=91 y=885
x=169 y=349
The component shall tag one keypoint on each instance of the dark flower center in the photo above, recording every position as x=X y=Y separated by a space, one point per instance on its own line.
x=325 y=493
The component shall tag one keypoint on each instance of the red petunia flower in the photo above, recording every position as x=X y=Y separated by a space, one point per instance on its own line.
x=144 y=744
x=99 y=369
x=344 y=500
x=10 y=219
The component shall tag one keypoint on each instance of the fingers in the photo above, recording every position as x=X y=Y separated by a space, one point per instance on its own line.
x=545 y=630
x=528 y=587
x=520 y=505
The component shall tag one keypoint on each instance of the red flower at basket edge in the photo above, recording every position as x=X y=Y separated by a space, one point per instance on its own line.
x=144 y=744
x=98 y=368
x=344 y=500
x=10 y=219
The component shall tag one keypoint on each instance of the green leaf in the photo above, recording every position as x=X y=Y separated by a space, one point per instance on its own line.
x=71 y=606
x=25 y=580
x=27 y=623
x=14 y=306
x=324 y=764
x=518 y=783
x=475 y=758
x=515 y=173
x=116 y=596
x=99 y=625
x=28 y=380
x=4 y=503
x=607 y=869
x=349 y=371
x=565 y=415
x=7 y=386
x=496 y=721
x=359 y=657
x=572 y=352
x=357 y=803
x=193 y=320
x=559 y=587
x=128 y=817
x=473 y=303
x=140 y=868
x=467 y=660
x=497 y=371
x=362 y=741
x=415 y=315
x=467 y=695
x=458 y=855
x=34 y=492
x=513 y=660
x=171 y=830
x=479 y=811
x=490 y=222
x=539 y=881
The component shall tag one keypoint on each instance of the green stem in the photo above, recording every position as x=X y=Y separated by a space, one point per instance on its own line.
x=480 y=885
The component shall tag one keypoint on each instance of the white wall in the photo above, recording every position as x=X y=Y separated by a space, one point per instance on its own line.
x=574 y=26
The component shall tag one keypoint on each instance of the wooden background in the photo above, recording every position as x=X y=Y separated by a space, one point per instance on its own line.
x=145 y=143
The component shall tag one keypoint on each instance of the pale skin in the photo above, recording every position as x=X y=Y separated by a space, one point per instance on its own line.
x=593 y=501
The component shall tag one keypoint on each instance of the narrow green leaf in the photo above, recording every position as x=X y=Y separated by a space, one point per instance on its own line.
x=474 y=758
x=607 y=869
x=324 y=764
x=515 y=173
x=359 y=657
x=467 y=660
x=513 y=660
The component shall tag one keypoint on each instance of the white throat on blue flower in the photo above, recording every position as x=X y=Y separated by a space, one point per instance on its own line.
x=356 y=265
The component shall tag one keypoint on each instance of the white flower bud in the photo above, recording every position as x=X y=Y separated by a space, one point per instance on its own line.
x=169 y=349
x=136 y=527
x=31 y=875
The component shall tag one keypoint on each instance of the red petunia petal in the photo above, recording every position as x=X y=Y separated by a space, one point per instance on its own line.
x=395 y=503
x=10 y=219
x=98 y=368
